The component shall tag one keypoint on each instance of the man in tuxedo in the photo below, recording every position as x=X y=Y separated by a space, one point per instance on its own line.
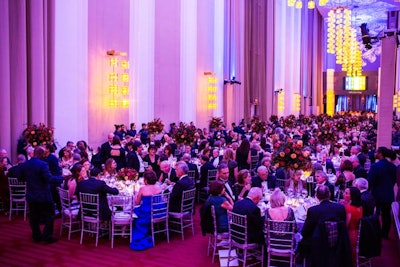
x=263 y=179
x=315 y=250
x=248 y=207
x=358 y=170
x=70 y=145
x=381 y=179
x=183 y=184
x=356 y=150
x=105 y=148
x=15 y=171
x=367 y=200
x=206 y=165
x=326 y=163
x=167 y=172
x=134 y=159
x=322 y=179
x=94 y=185
x=223 y=176
x=38 y=195
x=192 y=167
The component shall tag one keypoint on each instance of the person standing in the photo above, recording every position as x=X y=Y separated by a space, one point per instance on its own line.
x=381 y=179
x=38 y=195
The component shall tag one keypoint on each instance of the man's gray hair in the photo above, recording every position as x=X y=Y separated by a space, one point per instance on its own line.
x=361 y=183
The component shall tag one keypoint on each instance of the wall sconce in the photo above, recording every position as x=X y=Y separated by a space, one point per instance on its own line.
x=212 y=96
x=118 y=78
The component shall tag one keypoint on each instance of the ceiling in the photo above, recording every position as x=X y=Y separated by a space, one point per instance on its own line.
x=372 y=12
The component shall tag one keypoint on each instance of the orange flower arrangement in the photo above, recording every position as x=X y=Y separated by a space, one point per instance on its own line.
x=291 y=155
x=127 y=174
x=38 y=134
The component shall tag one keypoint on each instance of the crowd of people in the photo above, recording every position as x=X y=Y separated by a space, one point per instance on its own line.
x=342 y=146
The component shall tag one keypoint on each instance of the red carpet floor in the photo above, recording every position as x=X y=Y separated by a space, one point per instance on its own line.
x=17 y=249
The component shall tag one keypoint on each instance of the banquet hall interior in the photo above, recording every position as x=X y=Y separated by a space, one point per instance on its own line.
x=83 y=66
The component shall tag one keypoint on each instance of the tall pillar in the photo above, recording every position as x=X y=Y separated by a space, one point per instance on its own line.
x=330 y=93
x=386 y=90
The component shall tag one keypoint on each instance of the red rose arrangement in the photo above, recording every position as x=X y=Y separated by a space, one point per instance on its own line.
x=38 y=134
x=127 y=174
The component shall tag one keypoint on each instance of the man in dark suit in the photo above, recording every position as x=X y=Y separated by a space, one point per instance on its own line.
x=134 y=158
x=248 y=207
x=105 y=148
x=38 y=195
x=15 y=171
x=311 y=232
x=381 y=179
x=322 y=179
x=55 y=170
x=223 y=176
x=367 y=200
x=167 y=172
x=94 y=185
x=356 y=150
x=183 y=184
x=192 y=167
x=358 y=170
x=206 y=165
x=263 y=177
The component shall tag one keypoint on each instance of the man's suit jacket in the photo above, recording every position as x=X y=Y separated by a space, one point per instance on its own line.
x=368 y=203
x=331 y=189
x=15 y=171
x=193 y=167
x=38 y=180
x=257 y=182
x=204 y=173
x=315 y=235
x=362 y=159
x=172 y=175
x=132 y=160
x=359 y=171
x=94 y=186
x=175 y=199
x=254 y=220
x=105 y=150
x=329 y=166
x=54 y=167
x=381 y=179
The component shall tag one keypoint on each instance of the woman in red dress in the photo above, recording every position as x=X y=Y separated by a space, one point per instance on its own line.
x=352 y=197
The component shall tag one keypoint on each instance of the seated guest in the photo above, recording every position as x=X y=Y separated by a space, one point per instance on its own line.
x=94 y=185
x=206 y=165
x=141 y=228
x=315 y=231
x=263 y=179
x=228 y=158
x=322 y=179
x=168 y=174
x=152 y=159
x=367 y=199
x=221 y=202
x=248 y=207
x=216 y=157
x=183 y=184
x=192 y=167
x=78 y=173
x=223 y=176
x=134 y=158
x=110 y=168
x=358 y=170
x=295 y=185
x=15 y=171
x=242 y=186
x=278 y=212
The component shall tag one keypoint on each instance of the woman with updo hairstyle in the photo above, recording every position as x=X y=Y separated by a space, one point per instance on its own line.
x=78 y=173
x=141 y=228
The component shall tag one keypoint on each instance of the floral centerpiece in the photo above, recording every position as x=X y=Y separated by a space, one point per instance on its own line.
x=258 y=125
x=155 y=126
x=184 y=133
x=38 y=134
x=326 y=133
x=127 y=174
x=291 y=155
x=215 y=122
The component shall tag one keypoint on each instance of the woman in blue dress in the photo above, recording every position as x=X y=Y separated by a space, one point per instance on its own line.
x=222 y=203
x=141 y=230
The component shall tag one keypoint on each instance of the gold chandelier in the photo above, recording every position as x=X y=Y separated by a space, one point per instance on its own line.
x=310 y=3
x=342 y=41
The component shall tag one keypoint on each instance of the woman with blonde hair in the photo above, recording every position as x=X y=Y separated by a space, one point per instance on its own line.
x=228 y=158
x=110 y=168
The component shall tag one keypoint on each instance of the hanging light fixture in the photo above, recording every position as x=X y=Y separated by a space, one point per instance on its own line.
x=310 y=3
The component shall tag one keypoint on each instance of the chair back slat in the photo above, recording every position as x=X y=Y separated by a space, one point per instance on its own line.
x=159 y=206
x=238 y=227
x=281 y=234
x=89 y=205
x=188 y=200
x=211 y=176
